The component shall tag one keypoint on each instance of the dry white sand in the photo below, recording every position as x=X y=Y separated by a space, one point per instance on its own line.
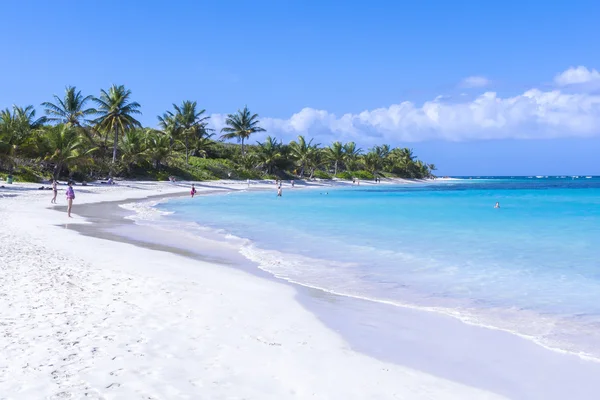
x=89 y=318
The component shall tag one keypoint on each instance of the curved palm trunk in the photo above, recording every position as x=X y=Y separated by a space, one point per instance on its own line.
x=115 y=144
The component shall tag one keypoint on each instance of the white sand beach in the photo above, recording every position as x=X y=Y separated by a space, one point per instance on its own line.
x=90 y=318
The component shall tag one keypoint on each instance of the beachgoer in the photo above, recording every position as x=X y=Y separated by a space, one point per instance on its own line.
x=292 y=183
x=54 y=190
x=279 y=191
x=193 y=191
x=497 y=205
x=248 y=182
x=110 y=181
x=70 y=198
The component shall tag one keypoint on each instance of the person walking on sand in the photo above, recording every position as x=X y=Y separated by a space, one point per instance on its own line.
x=292 y=183
x=70 y=198
x=193 y=191
x=54 y=191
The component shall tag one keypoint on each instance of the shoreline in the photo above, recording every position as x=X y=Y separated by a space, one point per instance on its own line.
x=470 y=346
x=320 y=301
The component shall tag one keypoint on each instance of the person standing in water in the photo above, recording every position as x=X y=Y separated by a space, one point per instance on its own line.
x=54 y=191
x=193 y=191
x=279 y=191
x=70 y=198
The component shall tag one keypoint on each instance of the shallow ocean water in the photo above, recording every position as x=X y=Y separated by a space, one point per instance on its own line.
x=531 y=267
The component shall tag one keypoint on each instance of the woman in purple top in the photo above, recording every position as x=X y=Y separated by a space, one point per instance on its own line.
x=70 y=198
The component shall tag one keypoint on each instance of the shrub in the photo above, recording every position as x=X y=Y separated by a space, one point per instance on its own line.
x=321 y=174
x=344 y=175
x=363 y=175
x=162 y=176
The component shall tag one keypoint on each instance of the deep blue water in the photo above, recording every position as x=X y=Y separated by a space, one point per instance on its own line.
x=531 y=267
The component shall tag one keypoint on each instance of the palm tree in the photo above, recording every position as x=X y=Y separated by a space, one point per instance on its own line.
x=65 y=147
x=70 y=109
x=351 y=154
x=190 y=121
x=305 y=153
x=402 y=162
x=26 y=117
x=16 y=128
x=240 y=126
x=116 y=112
x=373 y=162
x=158 y=147
x=431 y=168
x=269 y=154
x=335 y=154
x=203 y=145
x=133 y=148
x=168 y=125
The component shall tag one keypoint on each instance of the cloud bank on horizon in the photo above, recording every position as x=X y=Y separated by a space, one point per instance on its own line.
x=568 y=110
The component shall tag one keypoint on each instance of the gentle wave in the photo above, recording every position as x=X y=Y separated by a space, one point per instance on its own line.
x=145 y=210
x=283 y=265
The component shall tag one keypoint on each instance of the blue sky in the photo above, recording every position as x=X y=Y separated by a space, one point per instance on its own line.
x=475 y=87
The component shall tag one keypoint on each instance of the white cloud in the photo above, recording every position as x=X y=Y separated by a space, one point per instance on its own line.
x=576 y=76
x=474 y=82
x=534 y=114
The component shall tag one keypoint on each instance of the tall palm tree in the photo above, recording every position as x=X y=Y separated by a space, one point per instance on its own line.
x=65 y=148
x=168 y=126
x=191 y=123
x=305 y=153
x=335 y=154
x=116 y=112
x=351 y=154
x=70 y=109
x=240 y=126
x=269 y=154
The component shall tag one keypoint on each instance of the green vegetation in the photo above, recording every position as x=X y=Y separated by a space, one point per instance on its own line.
x=74 y=140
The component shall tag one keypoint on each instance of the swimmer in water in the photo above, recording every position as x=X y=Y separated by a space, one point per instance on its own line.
x=497 y=205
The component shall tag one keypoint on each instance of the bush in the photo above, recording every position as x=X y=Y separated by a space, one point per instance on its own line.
x=344 y=175
x=363 y=175
x=321 y=174
x=162 y=176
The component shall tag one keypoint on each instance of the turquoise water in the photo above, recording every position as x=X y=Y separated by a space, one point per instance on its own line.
x=531 y=267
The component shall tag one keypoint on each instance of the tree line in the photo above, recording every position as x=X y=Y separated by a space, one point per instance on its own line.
x=88 y=137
